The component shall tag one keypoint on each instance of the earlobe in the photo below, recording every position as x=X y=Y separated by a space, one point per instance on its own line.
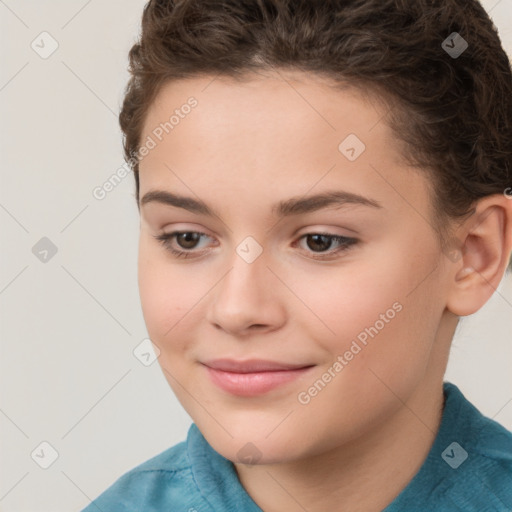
x=486 y=247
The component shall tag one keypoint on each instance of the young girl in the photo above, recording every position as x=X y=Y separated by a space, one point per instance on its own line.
x=324 y=189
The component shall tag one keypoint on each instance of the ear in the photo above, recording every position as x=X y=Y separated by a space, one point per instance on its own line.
x=486 y=243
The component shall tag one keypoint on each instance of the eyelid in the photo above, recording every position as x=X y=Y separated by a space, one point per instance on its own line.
x=345 y=242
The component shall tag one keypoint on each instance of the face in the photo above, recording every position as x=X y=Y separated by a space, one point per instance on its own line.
x=343 y=291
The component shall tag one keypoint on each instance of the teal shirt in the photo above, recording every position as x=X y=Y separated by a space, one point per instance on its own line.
x=469 y=469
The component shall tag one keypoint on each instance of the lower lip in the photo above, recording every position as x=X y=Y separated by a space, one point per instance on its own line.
x=252 y=384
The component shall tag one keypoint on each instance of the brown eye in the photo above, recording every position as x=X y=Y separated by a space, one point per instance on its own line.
x=187 y=240
x=321 y=243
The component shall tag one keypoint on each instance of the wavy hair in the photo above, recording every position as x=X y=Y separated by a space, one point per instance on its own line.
x=452 y=115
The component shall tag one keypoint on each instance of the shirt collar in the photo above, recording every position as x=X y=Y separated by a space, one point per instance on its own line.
x=216 y=476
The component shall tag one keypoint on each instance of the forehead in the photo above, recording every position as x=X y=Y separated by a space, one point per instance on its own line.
x=281 y=130
x=273 y=97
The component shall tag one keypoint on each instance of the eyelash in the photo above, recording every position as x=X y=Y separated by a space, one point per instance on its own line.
x=346 y=243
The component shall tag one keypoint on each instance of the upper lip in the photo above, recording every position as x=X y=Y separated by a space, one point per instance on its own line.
x=251 y=365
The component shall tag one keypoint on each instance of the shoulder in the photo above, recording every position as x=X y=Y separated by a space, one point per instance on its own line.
x=487 y=440
x=489 y=473
x=469 y=466
x=478 y=458
x=164 y=478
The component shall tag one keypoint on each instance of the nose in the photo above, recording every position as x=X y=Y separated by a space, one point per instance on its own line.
x=247 y=299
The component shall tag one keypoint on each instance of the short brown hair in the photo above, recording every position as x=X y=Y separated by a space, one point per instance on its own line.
x=453 y=114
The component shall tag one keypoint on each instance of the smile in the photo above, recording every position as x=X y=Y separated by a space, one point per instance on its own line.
x=252 y=378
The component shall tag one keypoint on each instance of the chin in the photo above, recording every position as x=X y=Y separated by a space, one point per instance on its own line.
x=249 y=444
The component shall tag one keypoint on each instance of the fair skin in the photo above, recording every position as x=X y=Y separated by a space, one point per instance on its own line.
x=245 y=147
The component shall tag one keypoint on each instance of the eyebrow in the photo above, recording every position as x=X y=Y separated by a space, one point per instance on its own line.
x=289 y=207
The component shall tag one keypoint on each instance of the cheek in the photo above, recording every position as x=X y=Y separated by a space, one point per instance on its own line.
x=167 y=295
x=384 y=333
x=341 y=302
x=374 y=311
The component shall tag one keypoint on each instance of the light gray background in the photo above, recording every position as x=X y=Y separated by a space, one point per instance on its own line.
x=69 y=326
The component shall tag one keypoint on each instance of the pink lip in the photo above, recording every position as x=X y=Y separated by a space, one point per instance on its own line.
x=254 y=377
